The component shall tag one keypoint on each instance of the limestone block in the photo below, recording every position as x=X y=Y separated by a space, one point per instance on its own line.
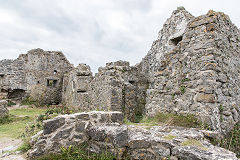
x=205 y=98
x=51 y=125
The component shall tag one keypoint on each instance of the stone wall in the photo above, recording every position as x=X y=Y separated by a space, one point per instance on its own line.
x=116 y=87
x=76 y=87
x=12 y=77
x=194 y=68
x=37 y=74
x=103 y=132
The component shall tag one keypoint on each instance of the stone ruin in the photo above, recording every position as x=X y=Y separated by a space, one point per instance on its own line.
x=116 y=87
x=193 y=67
x=37 y=74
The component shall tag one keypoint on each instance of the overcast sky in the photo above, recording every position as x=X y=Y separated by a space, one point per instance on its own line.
x=93 y=31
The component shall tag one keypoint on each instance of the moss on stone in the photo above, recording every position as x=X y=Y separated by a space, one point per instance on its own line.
x=169 y=137
x=193 y=142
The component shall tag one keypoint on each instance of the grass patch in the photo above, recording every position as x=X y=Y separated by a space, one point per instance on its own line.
x=15 y=124
x=4 y=120
x=31 y=112
x=28 y=102
x=169 y=137
x=77 y=153
x=25 y=146
x=182 y=89
x=185 y=80
x=193 y=142
x=170 y=119
x=231 y=141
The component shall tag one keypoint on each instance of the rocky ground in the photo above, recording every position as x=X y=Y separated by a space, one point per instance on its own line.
x=8 y=147
x=9 y=133
x=105 y=131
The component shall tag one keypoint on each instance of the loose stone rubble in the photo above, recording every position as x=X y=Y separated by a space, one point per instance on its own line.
x=104 y=132
x=3 y=109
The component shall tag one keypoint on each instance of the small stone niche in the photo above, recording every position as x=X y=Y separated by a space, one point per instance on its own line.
x=51 y=82
x=83 y=74
x=1 y=78
x=176 y=40
x=81 y=91
x=131 y=81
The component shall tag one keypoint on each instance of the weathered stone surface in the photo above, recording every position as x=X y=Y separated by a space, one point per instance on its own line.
x=37 y=74
x=116 y=87
x=132 y=142
x=193 y=67
x=51 y=125
x=78 y=128
x=3 y=109
x=205 y=98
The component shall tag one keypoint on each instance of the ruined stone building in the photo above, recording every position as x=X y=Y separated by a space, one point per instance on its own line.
x=37 y=74
x=116 y=87
x=192 y=67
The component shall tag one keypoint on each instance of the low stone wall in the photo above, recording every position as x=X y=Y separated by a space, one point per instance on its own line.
x=3 y=109
x=104 y=131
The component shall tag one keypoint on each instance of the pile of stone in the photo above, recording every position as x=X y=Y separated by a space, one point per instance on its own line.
x=104 y=131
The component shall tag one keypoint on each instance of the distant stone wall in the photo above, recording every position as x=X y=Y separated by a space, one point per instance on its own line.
x=116 y=87
x=37 y=74
x=12 y=77
x=76 y=87
x=45 y=70
x=103 y=132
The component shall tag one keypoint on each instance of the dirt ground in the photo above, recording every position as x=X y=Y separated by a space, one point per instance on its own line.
x=7 y=146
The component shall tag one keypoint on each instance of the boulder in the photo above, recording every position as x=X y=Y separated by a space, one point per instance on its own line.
x=103 y=133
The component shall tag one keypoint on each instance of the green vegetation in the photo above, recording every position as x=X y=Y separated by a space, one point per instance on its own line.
x=28 y=102
x=182 y=89
x=77 y=153
x=10 y=103
x=171 y=119
x=53 y=111
x=231 y=141
x=169 y=137
x=173 y=96
x=221 y=109
x=185 y=80
x=25 y=146
x=193 y=142
x=14 y=125
x=4 y=120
